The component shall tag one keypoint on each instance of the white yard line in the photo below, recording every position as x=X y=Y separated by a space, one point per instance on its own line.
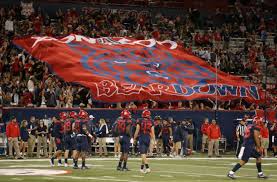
x=137 y=176
x=109 y=177
x=17 y=179
x=167 y=176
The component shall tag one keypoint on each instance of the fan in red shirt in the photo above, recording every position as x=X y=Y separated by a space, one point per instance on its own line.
x=214 y=135
x=27 y=98
x=264 y=131
x=207 y=39
x=37 y=25
x=13 y=133
x=217 y=38
x=204 y=131
x=198 y=39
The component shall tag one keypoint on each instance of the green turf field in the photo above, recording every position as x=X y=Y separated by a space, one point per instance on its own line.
x=188 y=169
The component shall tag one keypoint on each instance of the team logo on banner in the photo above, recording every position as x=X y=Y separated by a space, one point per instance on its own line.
x=122 y=69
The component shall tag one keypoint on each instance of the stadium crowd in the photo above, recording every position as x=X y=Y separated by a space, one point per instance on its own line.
x=27 y=82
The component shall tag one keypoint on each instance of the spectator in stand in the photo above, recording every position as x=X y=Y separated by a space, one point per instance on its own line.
x=198 y=39
x=264 y=131
x=214 y=135
x=32 y=127
x=41 y=133
x=13 y=133
x=204 y=131
x=24 y=135
x=275 y=41
x=226 y=38
x=102 y=134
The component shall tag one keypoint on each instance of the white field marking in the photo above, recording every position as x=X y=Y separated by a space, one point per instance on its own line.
x=254 y=164
x=110 y=177
x=45 y=166
x=137 y=176
x=95 y=178
x=31 y=172
x=138 y=159
x=48 y=178
x=17 y=179
x=196 y=174
x=213 y=175
x=167 y=176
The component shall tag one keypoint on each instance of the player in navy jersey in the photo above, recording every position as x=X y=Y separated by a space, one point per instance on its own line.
x=166 y=133
x=123 y=127
x=58 y=132
x=69 y=137
x=145 y=131
x=81 y=129
x=251 y=147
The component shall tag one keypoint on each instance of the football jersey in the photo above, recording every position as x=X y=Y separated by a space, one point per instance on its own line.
x=122 y=125
x=249 y=139
x=145 y=125
x=79 y=126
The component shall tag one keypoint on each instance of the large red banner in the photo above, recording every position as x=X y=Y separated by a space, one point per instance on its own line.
x=123 y=69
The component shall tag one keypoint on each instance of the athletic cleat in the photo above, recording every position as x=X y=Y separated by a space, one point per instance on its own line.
x=262 y=176
x=84 y=167
x=148 y=170
x=118 y=168
x=52 y=163
x=65 y=165
x=232 y=176
x=75 y=167
x=60 y=164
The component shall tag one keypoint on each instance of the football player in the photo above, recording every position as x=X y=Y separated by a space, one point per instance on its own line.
x=81 y=129
x=251 y=147
x=145 y=132
x=69 y=137
x=124 y=131
x=58 y=132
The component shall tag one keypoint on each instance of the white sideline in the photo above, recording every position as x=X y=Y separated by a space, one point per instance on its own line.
x=138 y=159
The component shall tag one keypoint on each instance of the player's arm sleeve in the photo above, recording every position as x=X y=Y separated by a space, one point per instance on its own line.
x=152 y=132
x=257 y=138
x=137 y=131
x=170 y=130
